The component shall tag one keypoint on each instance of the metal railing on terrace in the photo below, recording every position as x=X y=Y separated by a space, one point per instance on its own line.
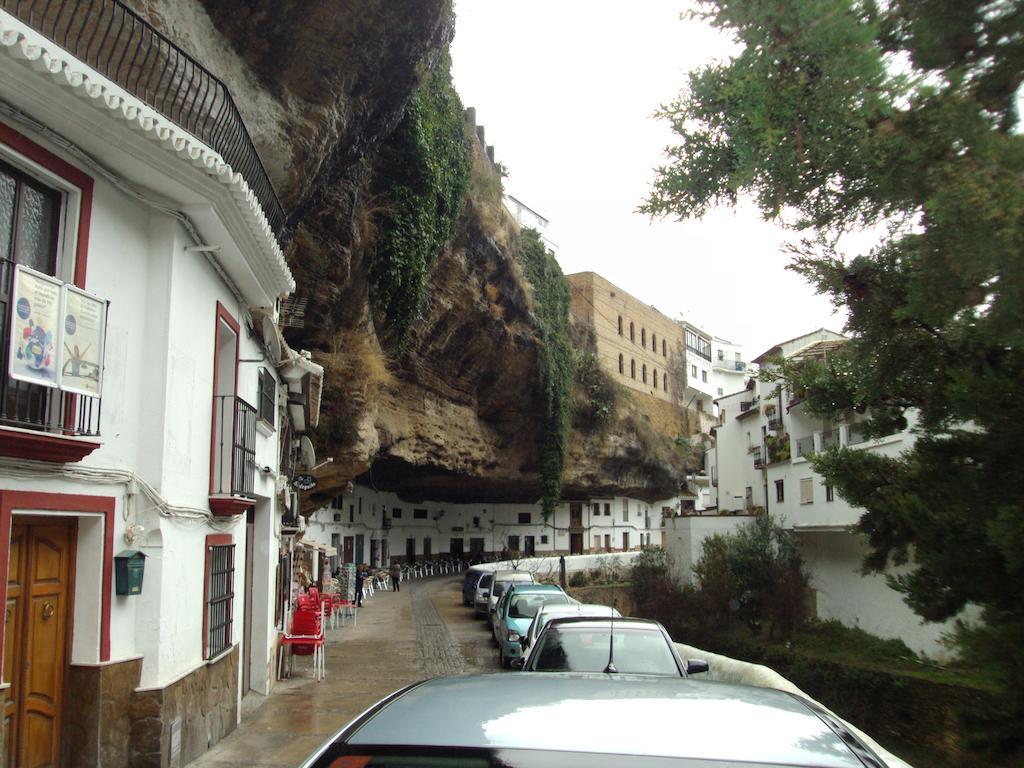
x=805 y=446
x=116 y=42
x=829 y=438
x=33 y=406
x=234 y=458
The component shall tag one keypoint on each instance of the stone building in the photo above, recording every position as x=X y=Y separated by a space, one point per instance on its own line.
x=635 y=343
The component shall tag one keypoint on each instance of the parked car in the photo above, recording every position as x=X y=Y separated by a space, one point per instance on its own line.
x=549 y=612
x=502 y=580
x=592 y=721
x=515 y=612
x=626 y=646
x=469 y=583
x=482 y=595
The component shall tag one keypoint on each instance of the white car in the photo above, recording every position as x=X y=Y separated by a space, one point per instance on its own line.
x=549 y=612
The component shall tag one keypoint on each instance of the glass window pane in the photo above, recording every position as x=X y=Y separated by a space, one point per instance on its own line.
x=37 y=229
x=7 y=187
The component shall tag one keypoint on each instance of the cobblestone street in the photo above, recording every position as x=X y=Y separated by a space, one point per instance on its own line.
x=422 y=631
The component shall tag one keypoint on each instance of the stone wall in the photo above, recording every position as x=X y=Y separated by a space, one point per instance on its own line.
x=206 y=702
x=97 y=714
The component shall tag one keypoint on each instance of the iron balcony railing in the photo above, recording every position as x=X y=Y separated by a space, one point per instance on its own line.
x=829 y=438
x=805 y=446
x=855 y=435
x=775 y=424
x=234 y=461
x=758 y=455
x=116 y=42
x=31 y=406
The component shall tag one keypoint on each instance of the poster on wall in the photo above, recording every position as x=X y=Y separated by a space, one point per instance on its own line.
x=35 y=328
x=85 y=322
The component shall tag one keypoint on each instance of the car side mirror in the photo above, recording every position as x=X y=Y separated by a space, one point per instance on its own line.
x=696 y=666
x=518 y=663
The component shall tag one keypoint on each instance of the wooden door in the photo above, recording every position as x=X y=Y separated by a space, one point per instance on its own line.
x=455 y=547
x=349 y=550
x=575 y=515
x=36 y=641
x=575 y=543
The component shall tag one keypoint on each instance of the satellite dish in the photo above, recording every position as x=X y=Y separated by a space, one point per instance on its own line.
x=272 y=339
x=307 y=456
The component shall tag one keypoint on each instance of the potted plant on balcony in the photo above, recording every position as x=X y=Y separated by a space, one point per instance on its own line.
x=769 y=410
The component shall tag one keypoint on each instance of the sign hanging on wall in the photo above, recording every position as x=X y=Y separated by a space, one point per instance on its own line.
x=35 y=328
x=304 y=483
x=85 y=321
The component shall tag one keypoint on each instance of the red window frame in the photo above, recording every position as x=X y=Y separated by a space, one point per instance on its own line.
x=222 y=314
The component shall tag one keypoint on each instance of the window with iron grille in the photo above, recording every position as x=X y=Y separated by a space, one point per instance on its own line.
x=220 y=598
x=267 y=398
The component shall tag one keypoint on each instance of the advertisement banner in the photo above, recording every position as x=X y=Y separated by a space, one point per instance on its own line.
x=84 y=329
x=35 y=328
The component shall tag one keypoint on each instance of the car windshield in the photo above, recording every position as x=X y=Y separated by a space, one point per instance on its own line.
x=586 y=649
x=486 y=580
x=526 y=606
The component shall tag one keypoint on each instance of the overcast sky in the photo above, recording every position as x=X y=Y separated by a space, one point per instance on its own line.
x=566 y=90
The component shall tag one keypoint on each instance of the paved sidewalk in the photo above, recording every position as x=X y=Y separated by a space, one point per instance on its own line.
x=401 y=637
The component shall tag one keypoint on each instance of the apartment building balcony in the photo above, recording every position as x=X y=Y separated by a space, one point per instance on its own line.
x=805 y=446
x=775 y=424
x=758 y=455
x=829 y=439
x=45 y=413
x=730 y=365
x=116 y=42
x=233 y=479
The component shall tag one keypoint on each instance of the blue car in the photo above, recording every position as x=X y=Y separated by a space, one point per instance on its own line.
x=515 y=613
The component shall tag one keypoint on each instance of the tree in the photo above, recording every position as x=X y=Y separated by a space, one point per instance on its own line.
x=837 y=114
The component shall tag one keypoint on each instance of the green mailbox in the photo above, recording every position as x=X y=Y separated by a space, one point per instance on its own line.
x=129 y=567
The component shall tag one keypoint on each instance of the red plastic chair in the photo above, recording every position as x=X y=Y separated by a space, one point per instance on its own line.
x=306 y=638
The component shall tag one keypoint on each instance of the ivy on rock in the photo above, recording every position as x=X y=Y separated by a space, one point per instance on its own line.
x=555 y=359
x=424 y=173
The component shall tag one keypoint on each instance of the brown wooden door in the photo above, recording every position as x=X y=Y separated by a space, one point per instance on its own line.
x=35 y=640
x=575 y=543
x=349 y=550
x=575 y=515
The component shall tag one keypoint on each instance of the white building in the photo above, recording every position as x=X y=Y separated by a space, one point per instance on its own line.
x=378 y=527
x=700 y=382
x=525 y=216
x=148 y=404
x=729 y=371
x=760 y=464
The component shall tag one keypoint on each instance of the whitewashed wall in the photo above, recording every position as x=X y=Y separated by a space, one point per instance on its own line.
x=684 y=537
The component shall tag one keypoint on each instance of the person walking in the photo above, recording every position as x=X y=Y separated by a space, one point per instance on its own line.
x=360 y=577
x=396 y=576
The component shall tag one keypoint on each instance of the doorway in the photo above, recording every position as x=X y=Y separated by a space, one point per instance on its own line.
x=39 y=596
x=575 y=543
x=576 y=514
x=410 y=550
x=428 y=550
x=349 y=550
x=250 y=583
x=455 y=548
x=529 y=546
x=360 y=547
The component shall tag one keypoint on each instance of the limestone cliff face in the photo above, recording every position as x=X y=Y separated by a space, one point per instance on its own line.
x=455 y=414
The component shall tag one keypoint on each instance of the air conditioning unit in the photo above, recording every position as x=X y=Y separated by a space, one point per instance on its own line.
x=337 y=517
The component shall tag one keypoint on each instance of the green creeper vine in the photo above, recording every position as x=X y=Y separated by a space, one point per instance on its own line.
x=424 y=173
x=551 y=298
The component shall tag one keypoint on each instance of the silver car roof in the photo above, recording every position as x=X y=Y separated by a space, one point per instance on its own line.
x=655 y=716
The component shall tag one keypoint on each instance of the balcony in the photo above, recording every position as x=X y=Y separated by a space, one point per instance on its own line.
x=120 y=45
x=775 y=424
x=47 y=421
x=233 y=481
x=855 y=435
x=829 y=439
x=805 y=446
x=730 y=365
x=758 y=455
